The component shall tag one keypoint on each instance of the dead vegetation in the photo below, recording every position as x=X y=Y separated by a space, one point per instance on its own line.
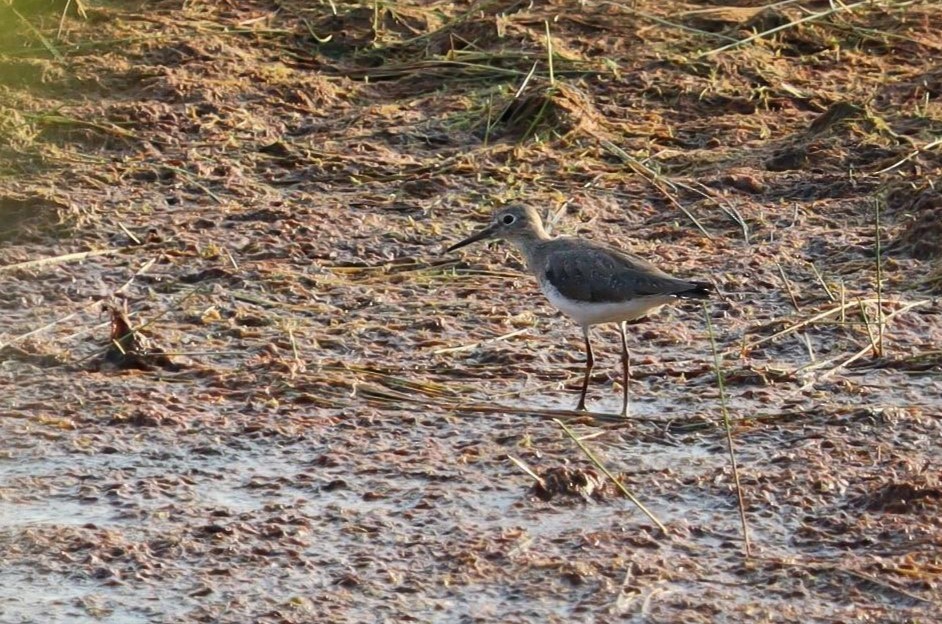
x=267 y=186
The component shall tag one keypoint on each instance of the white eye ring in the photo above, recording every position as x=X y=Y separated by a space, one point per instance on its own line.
x=508 y=219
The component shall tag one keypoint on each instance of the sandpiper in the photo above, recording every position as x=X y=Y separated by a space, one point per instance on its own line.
x=589 y=282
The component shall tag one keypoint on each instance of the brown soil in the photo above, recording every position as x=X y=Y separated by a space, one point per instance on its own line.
x=238 y=381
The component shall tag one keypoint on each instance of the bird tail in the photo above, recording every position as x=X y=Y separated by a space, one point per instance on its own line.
x=697 y=290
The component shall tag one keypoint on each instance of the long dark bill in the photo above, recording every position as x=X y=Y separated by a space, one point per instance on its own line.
x=487 y=232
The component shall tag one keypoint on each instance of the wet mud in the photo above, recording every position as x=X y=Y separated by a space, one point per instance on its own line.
x=240 y=382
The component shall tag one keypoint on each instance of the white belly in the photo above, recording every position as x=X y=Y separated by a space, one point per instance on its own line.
x=585 y=313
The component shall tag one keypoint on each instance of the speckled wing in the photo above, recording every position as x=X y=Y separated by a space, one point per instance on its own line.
x=589 y=272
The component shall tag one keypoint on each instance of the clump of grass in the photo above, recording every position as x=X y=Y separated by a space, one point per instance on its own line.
x=15 y=130
x=546 y=112
x=813 y=17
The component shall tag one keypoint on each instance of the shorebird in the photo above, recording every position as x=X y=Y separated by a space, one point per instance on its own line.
x=589 y=282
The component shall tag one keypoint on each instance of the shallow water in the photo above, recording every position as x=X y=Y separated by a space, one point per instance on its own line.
x=333 y=440
x=282 y=523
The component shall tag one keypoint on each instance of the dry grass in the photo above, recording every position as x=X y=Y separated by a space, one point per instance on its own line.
x=268 y=186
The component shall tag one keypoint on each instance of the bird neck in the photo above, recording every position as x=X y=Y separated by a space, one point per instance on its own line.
x=528 y=243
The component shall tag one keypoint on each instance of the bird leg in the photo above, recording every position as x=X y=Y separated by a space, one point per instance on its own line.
x=626 y=370
x=589 y=363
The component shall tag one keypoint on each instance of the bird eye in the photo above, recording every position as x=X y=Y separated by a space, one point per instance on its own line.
x=508 y=219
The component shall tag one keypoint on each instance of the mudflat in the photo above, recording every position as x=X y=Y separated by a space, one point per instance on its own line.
x=240 y=383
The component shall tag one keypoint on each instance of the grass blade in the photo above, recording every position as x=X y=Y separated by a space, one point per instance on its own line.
x=608 y=474
x=747 y=547
x=72 y=257
x=42 y=38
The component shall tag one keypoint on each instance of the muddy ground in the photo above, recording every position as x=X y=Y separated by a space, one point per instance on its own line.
x=262 y=189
